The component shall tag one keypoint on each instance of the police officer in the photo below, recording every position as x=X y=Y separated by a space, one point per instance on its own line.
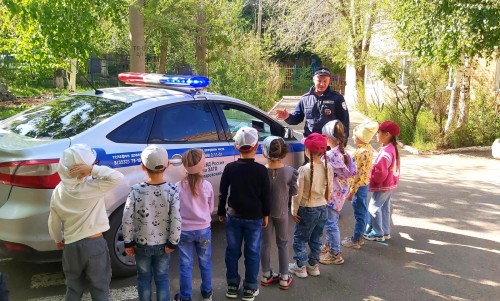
x=318 y=106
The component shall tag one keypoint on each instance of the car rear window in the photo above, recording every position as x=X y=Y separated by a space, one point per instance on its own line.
x=63 y=117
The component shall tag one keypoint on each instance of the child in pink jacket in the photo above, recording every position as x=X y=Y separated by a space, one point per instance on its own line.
x=384 y=178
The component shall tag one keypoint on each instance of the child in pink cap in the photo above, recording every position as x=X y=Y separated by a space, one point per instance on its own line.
x=384 y=178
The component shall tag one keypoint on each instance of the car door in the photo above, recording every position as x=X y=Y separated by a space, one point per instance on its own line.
x=234 y=116
x=193 y=124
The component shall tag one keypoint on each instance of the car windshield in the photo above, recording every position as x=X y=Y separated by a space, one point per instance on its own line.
x=63 y=117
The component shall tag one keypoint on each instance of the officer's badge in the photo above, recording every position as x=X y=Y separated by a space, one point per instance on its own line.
x=344 y=105
x=328 y=112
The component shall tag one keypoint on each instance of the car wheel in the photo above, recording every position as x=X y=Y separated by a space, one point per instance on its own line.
x=121 y=264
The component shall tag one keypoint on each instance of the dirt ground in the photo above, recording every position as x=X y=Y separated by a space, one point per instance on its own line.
x=31 y=101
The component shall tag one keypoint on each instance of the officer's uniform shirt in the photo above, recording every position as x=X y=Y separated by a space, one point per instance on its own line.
x=319 y=110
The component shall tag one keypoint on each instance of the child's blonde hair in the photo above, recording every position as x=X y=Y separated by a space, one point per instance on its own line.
x=189 y=159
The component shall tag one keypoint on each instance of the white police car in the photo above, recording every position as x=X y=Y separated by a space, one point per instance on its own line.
x=118 y=123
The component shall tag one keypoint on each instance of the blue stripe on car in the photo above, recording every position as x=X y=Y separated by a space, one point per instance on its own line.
x=134 y=158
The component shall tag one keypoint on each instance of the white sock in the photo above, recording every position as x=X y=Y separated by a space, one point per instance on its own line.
x=267 y=274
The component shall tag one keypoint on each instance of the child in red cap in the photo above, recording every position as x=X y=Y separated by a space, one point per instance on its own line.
x=309 y=207
x=384 y=178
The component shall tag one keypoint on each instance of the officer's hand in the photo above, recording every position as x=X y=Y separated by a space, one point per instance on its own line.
x=282 y=114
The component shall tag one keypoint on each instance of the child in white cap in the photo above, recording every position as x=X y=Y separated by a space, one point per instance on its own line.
x=152 y=224
x=197 y=203
x=78 y=218
x=283 y=179
x=358 y=192
x=246 y=214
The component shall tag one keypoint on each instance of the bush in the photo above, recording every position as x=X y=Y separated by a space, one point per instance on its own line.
x=483 y=123
x=243 y=73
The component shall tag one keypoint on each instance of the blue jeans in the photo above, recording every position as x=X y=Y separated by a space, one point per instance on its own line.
x=152 y=261
x=359 y=205
x=309 y=231
x=201 y=241
x=237 y=230
x=380 y=211
x=332 y=230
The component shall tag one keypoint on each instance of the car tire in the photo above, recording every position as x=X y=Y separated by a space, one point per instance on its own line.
x=121 y=264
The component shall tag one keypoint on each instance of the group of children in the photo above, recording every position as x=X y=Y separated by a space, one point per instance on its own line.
x=160 y=217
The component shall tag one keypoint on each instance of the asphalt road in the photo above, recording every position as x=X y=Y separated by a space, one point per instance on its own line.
x=445 y=244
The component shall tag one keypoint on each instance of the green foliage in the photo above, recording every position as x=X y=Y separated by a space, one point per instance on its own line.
x=411 y=101
x=302 y=79
x=483 y=124
x=445 y=31
x=243 y=73
x=43 y=34
x=331 y=29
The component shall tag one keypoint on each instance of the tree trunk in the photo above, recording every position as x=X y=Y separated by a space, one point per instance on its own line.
x=464 y=93
x=453 y=102
x=137 y=45
x=163 y=55
x=59 y=79
x=201 y=40
x=350 y=94
x=72 y=75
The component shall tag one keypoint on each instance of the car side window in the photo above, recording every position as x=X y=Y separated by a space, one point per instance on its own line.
x=237 y=118
x=185 y=122
x=136 y=130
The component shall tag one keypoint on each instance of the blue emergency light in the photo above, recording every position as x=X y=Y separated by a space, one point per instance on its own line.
x=188 y=81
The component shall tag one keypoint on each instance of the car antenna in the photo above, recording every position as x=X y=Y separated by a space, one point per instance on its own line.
x=97 y=92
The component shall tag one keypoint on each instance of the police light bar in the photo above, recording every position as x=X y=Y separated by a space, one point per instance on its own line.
x=188 y=81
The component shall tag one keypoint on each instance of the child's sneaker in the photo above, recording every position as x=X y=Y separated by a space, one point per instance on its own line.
x=249 y=295
x=267 y=281
x=324 y=249
x=387 y=236
x=232 y=291
x=373 y=237
x=286 y=281
x=207 y=296
x=177 y=297
x=313 y=270
x=349 y=243
x=297 y=271
x=331 y=258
